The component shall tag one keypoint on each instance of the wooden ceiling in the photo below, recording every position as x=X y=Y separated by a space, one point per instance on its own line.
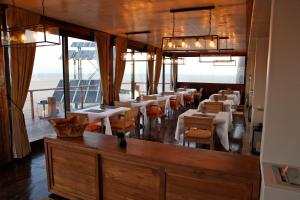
x=229 y=18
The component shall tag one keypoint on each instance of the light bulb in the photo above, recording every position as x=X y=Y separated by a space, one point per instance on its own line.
x=183 y=44
x=211 y=44
x=170 y=44
x=23 y=37
x=198 y=44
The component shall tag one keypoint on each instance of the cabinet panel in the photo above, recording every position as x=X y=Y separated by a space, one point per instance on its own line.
x=73 y=173
x=180 y=187
x=129 y=180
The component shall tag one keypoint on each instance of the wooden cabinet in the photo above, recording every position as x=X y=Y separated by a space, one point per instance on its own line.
x=94 y=167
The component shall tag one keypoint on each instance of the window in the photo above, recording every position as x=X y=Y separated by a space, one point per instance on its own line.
x=135 y=74
x=160 y=82
x=140 y=72
x=45 y=95
x=209 y=72
x=84 y=75
x=126 y=86
x=168 y=85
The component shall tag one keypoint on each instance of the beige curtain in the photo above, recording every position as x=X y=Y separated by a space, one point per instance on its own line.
x=157 y=69
x=174 y=75
x=121 y=47
x=103 y=41
x=21 y=63
x=150 y=69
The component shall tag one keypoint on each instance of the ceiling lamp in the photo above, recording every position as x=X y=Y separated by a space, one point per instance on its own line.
x=224 y=55
x=41 y=34
x=174 y=60
x=206 y=43
x=137 y=56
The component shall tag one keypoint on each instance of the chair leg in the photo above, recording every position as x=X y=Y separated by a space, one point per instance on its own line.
x=212 y=145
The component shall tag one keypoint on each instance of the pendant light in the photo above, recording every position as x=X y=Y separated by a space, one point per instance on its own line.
x=41 y=34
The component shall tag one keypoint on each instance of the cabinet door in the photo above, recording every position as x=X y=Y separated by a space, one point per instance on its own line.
x=181 y=187
x=130 y=180
x=72 y=173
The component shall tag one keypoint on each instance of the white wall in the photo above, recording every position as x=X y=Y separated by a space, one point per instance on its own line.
x=260 y=73
x=281 y=133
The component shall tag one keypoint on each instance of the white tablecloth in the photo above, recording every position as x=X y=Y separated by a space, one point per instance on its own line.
x=143 y=107
x=95 y=117
x=222 y=123
x=233 y=97
x=236 y=92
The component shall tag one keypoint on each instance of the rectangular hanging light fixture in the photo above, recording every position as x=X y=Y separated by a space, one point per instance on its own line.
x=137 y=57
x=171 y=61
x=40 y=34
x=37 y=35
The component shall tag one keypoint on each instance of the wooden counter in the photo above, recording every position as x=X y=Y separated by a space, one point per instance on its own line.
x=94 y=167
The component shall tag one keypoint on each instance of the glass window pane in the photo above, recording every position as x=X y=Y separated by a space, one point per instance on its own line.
x=125 y=92
x=140 y=69
x=212 y=72
x=46 y=87
x=84 y=74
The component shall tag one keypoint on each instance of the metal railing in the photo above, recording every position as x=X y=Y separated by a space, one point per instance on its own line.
x=81 y=88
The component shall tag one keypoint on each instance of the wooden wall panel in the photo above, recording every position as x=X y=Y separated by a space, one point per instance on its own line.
x=128 y=180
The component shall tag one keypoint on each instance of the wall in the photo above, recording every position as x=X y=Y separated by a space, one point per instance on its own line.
x=281 y=137
x=259 y=79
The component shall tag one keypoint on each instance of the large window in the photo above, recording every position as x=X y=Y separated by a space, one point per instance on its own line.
x=140 y=72
x=84 y=76
x=135 y=74
x=168 y=85
x=44 y=99
x=209 y=72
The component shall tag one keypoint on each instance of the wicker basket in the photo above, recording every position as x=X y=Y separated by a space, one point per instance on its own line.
x=70 y=127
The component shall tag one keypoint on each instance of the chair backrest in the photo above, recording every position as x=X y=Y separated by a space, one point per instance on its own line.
x=201 y=90
x=123 y=103
x=197 y=95
x=162 y=104
x=205 y=123
x=219 y=97
x=132 y=113
x=168 y=93
x=149 y=97
x=214 y=106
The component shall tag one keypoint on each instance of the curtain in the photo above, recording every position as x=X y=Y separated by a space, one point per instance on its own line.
x=103 y=41
x=150 y=70
x=157 y=69
x=174 y=74
x=21 y=63
x=121 y=47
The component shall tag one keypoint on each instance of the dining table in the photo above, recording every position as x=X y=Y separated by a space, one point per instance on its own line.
x=221 y=120
x=103 y=113
x=236 y=92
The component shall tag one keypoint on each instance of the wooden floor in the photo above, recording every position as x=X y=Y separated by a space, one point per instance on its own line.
x=26 y=178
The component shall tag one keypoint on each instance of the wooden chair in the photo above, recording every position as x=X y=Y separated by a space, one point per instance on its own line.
x=149 y=97
x=199 y=130
x=168 y=93
x=175 y=104
x=197 y=98
x=156 y=111
x=218 y=97
x=123 y=104
x=92 y=127
x=213 y=107
x=188 y=100
x=126 y=122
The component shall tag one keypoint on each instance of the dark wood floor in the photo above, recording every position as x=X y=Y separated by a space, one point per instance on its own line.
x=26 y=178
